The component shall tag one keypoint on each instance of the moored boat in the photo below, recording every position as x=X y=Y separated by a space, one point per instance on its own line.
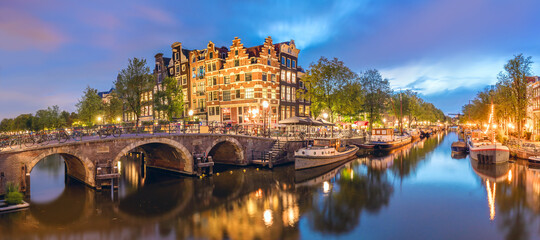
x=484 y=150
x=534 y=159
x=384 y=138
x=323 y=152
x=459 y=147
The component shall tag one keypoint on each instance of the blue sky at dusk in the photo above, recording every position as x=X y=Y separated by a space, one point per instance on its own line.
x=445 y=49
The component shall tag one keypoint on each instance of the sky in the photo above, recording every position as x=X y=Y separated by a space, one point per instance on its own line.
x=447 y=50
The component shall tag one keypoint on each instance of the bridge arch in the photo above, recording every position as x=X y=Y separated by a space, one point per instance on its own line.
x=168 y=146
x=220 y=150
x=77 y=167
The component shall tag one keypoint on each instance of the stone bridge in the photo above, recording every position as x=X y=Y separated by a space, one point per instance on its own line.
x=170 y=152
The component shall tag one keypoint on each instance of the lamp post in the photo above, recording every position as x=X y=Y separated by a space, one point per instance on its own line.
x=265 y=108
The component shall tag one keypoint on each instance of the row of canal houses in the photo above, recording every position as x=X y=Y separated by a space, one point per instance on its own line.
x=223 y=84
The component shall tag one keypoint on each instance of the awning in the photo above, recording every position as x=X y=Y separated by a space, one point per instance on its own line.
x=361 y=123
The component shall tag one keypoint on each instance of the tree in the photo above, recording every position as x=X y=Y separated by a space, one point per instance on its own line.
x=48 y=119
x=23 y=122
x=377 y=92
x=169 y=99
x=515 y=79
x=90 y=106
x=131 y=83
x=113 y=109
x=325 y=81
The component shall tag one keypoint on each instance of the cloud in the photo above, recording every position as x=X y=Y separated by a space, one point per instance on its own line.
x=431 y=77
x=21 y=31
x=310 y=28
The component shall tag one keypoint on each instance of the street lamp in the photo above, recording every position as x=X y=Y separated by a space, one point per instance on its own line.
x=118 y=119
x=265 y=108
x=325 y=115
x=190 y=113
x=99 y=119
x=384 y=122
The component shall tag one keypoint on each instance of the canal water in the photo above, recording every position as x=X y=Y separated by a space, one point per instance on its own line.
x=419 y=191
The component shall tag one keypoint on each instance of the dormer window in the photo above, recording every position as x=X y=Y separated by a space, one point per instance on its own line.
x=269 y=51
x=236 y=52
x=253 y=60
x=176 y=56
x=211 y=55
x=158 y=66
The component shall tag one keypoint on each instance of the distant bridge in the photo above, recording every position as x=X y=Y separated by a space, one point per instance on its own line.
x=172 y=152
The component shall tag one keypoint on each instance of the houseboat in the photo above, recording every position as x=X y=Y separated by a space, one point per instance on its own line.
x=384 y=138
x=323 y=152
x=486 y=150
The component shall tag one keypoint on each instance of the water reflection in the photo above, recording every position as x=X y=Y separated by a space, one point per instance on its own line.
x=344 y=200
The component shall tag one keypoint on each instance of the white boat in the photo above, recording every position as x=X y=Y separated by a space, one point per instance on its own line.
x=384 y=138
x=484 y=150
x=534 y=159
x=323 y=152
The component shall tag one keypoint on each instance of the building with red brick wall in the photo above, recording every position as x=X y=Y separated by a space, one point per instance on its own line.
x=232 y=85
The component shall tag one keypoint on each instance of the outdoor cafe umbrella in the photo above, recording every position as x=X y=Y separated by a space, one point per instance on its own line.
x=294 y=121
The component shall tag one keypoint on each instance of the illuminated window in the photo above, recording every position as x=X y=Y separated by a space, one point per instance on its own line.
x=249 y=93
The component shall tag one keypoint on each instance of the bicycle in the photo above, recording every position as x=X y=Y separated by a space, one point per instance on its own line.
x=4 y=142
x=108 y=131
x=39 y=138
x=63 y=136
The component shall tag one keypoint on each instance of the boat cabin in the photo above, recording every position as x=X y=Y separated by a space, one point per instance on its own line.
x=328 y=143
x=382 y=134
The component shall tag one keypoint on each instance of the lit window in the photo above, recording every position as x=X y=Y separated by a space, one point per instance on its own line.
x=249 y=93
x=293 y=77
x=283 y=75
x=288 y=77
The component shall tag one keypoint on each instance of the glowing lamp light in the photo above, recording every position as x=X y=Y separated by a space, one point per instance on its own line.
x=265 y=104
x=325 y=115
x=267 y=217
x=190 y=112
x=99 y=118
x=494 y=126
x=384 y=120
x=326 y=187
x=118 y=119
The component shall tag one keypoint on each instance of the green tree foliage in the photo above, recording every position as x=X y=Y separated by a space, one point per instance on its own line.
x=169 y=99
x=377 y=91
x=48 y=119
x=113 y=109
x=332 y=87
x=13 y=196
x=90 y=106
x=132 y=82
x=510 y=97
x=514 y=79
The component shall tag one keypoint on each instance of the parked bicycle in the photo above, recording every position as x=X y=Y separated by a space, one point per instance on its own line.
x=108 y=131
x=4 y=142
x=41 y=138
x=62 y=136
